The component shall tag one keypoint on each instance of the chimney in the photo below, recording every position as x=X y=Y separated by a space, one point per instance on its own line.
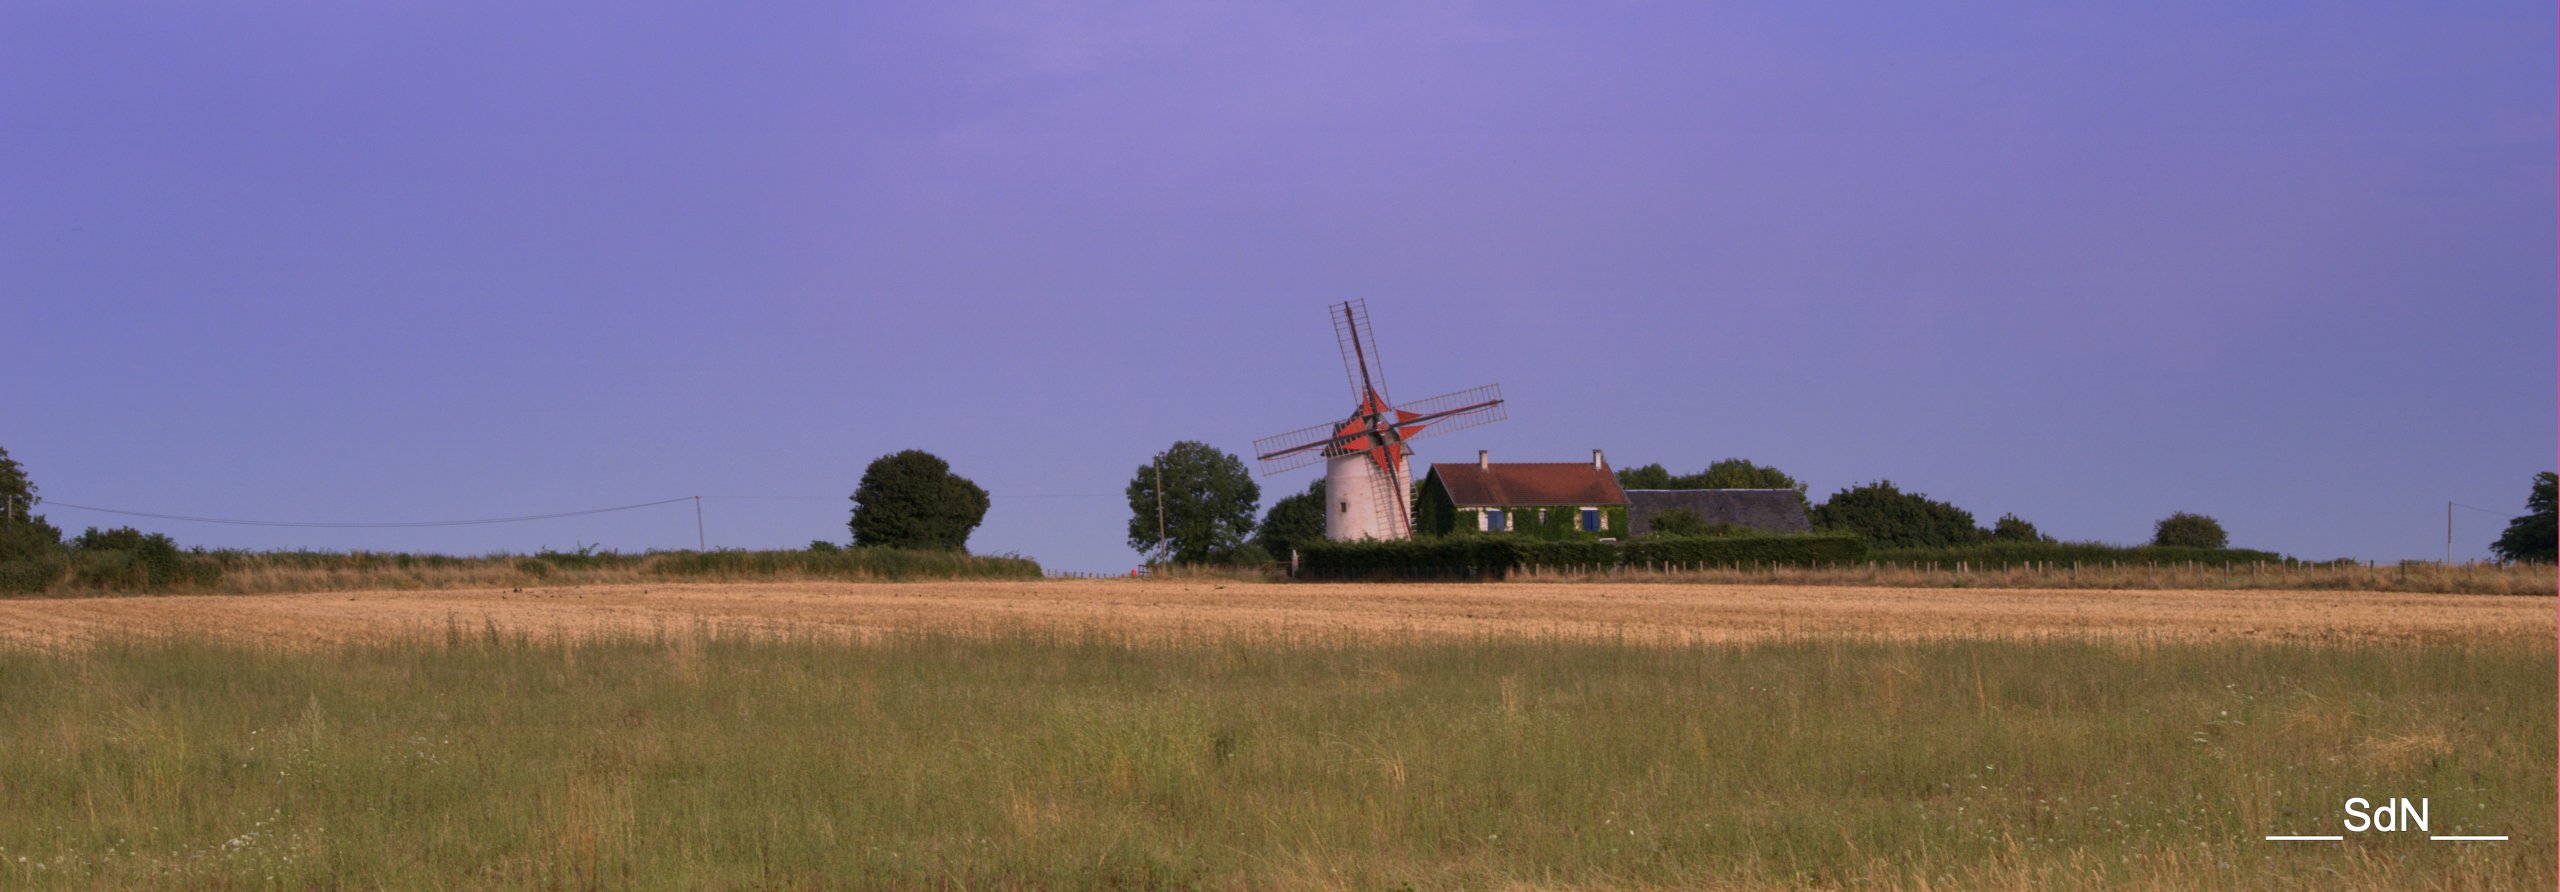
x=1484 y=459
x=1596 y=461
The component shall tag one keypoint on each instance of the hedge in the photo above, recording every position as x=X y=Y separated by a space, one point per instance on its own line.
x=1999 y=555
x=1492 y=557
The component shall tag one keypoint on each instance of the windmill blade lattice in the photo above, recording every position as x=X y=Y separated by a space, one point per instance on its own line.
x=1361 y=364
x=1366 y=452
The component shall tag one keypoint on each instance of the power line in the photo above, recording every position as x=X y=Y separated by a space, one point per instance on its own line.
x=368 y=525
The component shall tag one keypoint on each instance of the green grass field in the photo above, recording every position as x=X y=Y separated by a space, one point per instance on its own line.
x=688 y=760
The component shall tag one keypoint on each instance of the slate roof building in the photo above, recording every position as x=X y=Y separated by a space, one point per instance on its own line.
x=1766 y=510
x=1547 y=499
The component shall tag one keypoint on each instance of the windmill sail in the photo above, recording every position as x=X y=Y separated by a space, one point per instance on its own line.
x=1368 y=450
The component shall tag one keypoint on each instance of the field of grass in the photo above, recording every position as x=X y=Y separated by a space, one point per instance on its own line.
x=693 y=759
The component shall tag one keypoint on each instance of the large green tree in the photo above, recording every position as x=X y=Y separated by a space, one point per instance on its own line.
x=31 y=554
x=1891 y=518
x=17 y=493
x=911 y=499
x=2532 y=536
x=1293 y=521
x=2190 y=531
x=1208 y=504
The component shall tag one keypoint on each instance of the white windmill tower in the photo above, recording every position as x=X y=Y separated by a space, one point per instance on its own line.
x=1368 y=474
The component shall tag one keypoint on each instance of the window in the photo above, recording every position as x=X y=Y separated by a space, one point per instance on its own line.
x=1591 y=520
x=1493 y=519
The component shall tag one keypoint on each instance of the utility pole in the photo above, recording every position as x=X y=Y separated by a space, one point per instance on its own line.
x=700 y=542
x=1163 y=548
x=2448 y=532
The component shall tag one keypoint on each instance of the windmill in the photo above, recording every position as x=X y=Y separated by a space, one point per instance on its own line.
x=1367 y=476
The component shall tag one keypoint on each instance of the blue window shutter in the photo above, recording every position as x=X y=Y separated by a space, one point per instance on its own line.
x=1493 y=519
x=1591 y=520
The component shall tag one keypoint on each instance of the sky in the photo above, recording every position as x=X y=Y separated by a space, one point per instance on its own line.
x=2288 y=265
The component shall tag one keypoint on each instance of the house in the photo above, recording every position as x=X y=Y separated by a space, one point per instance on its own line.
x=1556 y=500
x=1766 y=510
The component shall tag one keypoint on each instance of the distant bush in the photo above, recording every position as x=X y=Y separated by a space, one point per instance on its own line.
x=846 y=563
x=2011 y=529
x=1676 y=521
x=1891 y=518
x=127 y=558
x=2184 y=530
x=31 y=555
x=585 y=557
x=1996 y=555
x=1293 y=521
x=823 y=546
x=911 y=500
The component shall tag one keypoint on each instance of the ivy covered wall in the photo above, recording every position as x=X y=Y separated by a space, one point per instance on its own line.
x=1436 y=514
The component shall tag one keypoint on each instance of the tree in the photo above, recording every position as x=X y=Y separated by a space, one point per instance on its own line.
x=2186 y=530
x=2535 y=536
x=911 y=499
x=1891 y=518
x=17 y=493
x=1207 y=506
x=1650 y=476
x=1731 y=473
x=125 y=557
x=2011 y=529
x=1293 y=521
x=31 y=555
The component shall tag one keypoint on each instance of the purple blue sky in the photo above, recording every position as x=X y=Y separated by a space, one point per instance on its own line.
x=2289 y=265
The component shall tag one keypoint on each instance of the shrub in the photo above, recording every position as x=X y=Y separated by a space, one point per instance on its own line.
x=2184 y=530
x=1293 y=521
x=911 y=500
x=2011 y=529
x=31 y=557
x=1996 y=555
x=1891 y=518
x=1678 y=522
x=127 y=558
x=1438 y=557
x=843 y=563
x=585 y=557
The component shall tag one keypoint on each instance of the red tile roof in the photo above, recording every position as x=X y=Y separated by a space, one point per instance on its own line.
x=1530 y=483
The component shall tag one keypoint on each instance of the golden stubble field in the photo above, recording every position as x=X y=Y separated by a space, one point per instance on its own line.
x=1167 y=609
